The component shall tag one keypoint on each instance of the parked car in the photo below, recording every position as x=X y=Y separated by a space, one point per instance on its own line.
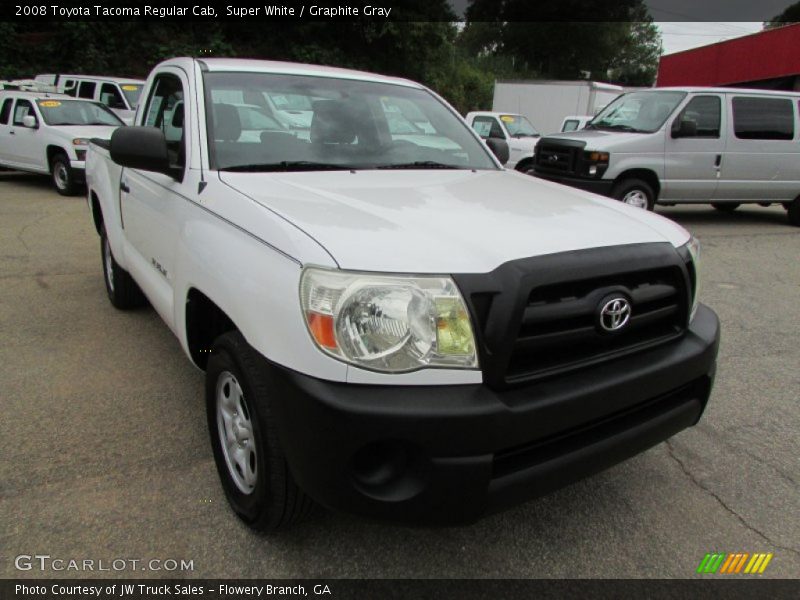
x=723 y=146
x=386 y=327
x=120 y=94
x=516 y=130
x=575 y=122
x=49 y=134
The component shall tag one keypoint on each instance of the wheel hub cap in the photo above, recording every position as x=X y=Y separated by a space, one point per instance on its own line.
x=235 y=430
x=636 y=198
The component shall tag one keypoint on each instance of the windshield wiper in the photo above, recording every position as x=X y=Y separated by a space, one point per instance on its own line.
x=289 y=165
x=420 y=164
x=618 y=127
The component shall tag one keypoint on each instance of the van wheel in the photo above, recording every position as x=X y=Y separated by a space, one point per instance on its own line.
x=122 y=290
x=726 y=206
x=250 y=461
x=793 y=212
x=63 y=178
x=635 y=192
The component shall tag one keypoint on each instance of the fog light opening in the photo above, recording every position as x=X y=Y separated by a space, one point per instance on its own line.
x=388 y=470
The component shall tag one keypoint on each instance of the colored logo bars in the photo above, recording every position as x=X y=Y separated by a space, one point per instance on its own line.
x=719 y=562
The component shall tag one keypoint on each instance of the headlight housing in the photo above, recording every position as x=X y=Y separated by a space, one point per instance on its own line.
x=388 y=323
x=693 y=247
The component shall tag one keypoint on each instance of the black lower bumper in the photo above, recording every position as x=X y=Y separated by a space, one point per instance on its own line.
x=596 y=186
x=449 y=454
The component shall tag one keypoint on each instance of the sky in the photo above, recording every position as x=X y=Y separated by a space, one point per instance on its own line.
x=677 y=36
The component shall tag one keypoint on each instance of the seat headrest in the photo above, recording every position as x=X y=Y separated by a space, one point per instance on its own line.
x=333 y=123
x=227 y=125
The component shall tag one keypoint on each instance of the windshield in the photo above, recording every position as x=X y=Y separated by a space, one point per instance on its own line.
x=519 y=126
x=273 y=122
x=76 y=112
x=132 y=92
x=639 y=112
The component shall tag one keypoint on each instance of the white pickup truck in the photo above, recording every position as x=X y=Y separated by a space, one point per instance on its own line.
x=391 y=326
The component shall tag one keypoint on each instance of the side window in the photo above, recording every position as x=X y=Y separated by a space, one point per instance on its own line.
x=86 y=89
x=165 y=110
x=111 y=96
x=570 y=125
x=487 y=127
x=763 y=118
x=71 y=87
x=703 y=114
x=5 y=111
x=22 y=109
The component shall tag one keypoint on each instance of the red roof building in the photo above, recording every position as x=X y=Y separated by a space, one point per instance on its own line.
x=769 y=59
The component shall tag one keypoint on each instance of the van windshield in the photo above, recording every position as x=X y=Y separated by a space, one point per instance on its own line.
x=637 y=112
x=76 y=112
x=276 y=122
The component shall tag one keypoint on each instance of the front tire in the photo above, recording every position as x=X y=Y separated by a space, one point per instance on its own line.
x=122 y=290
x=63 y=177
x=250 y=461
x=793 y=212
x=635 y=192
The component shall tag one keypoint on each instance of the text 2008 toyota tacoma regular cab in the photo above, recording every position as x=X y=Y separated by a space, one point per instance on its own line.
x=390 y=323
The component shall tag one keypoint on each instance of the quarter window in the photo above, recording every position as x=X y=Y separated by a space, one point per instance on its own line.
x=705 y=112
x=86 y=89
x=111 y=96
x=763 y=118
x=70 y=87
x=5 y=112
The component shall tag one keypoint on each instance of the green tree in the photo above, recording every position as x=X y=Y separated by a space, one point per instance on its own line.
x=788 y=16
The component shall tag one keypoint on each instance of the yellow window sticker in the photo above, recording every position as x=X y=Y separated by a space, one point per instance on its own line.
x=130 y=88
x=49 y=103
x=507 y=119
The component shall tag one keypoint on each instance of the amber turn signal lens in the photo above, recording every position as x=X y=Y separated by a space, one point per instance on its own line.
x=321 y=327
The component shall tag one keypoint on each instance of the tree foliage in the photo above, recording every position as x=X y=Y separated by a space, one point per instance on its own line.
x=788 y=16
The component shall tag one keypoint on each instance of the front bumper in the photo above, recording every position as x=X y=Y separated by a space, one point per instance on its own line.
x=596 y=186
x=436 y=454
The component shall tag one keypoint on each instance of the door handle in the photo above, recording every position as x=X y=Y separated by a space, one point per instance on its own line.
x=12 y=132
x=718 y=161
x=123 y=187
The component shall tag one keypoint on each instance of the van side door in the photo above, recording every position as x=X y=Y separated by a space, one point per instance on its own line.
x=152 y=203
x=761 y=153
x=693 y=149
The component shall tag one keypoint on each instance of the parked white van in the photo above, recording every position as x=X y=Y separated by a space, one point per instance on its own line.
x=121 y=95
x=725 y=146
x=49 y=133
x=517 y=131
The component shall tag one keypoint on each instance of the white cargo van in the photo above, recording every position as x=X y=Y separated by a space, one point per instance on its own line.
x=724 y=146
x=121 y=95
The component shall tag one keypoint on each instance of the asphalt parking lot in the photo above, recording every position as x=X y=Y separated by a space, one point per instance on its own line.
x=105 y=452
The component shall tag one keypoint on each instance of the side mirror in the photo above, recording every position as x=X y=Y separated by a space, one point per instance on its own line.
x=29 y=121
x=142 y=148
x=686 y=128
x=499 y=148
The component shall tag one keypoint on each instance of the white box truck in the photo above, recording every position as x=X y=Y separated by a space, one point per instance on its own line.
x=546 y=103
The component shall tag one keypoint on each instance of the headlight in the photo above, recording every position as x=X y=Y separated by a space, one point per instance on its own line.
x=693 y=246
x=80 y=142
x=388 y=323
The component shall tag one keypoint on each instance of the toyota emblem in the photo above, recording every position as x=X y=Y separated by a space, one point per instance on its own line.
x=615 y=314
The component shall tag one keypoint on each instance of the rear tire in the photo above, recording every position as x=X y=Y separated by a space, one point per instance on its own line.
x=634 y=192
x=726 y=206
x=250 y=461
x=122 y=290
x=793 y=212
x=62 y=175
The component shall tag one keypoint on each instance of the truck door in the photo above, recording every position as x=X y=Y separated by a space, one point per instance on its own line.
x=5 y=131
x=152 y=203
x=693 y=150
x=27 y=147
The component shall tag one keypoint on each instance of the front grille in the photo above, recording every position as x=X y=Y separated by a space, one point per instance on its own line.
x=539 y=317
x=556 y=158
x=559 y=330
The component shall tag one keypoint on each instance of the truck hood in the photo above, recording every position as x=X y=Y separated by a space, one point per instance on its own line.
x=597 y=139
x=446 y=221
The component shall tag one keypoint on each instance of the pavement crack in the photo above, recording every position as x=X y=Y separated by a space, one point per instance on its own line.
x=27 y=226
x=723 y=504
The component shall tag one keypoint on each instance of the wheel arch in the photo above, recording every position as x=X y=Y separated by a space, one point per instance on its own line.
x=205 y=321
x=647 y=175
x=97 y=211
x=52 y=151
